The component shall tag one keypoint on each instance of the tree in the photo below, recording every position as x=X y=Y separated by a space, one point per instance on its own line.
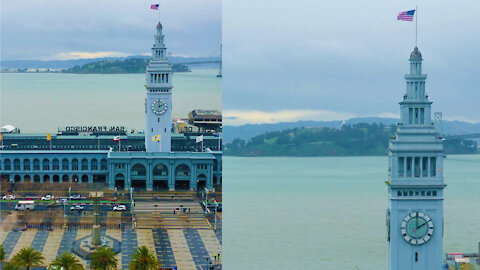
x=103 y=258
x=28 y=257
x=144 y=259
x=67 y=261
x=2 y=253
x=10 y=266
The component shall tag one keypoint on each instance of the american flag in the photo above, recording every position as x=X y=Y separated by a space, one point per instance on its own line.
x=154 y=6
x=406 y=15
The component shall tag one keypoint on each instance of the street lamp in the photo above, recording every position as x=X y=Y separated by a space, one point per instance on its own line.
x=206 y=199
x=216 y=206
x=132 y=205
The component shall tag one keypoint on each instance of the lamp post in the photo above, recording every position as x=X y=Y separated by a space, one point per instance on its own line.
x=216 y=206
x=206 y=199
x=132 y=205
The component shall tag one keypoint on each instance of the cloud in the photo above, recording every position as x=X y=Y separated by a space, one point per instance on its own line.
x=86 y=55
x=237 y=117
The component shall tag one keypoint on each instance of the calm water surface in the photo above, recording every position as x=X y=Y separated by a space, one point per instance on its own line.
x=329 y=212
x=41 y=102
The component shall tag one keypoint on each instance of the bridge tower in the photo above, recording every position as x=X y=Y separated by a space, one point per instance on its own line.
x=416 y=183
x=158 y=103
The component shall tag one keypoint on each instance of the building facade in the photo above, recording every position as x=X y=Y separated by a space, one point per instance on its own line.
x=416 y=184
x=148 y=164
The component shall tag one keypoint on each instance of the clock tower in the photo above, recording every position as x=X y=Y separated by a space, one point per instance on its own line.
x=158 y=103
x=415 y=186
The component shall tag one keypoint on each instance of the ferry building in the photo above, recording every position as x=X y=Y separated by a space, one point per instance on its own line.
x=153 y=161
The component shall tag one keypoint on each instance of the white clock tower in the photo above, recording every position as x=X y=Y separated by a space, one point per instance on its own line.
x=158 y=103
x=415 y=212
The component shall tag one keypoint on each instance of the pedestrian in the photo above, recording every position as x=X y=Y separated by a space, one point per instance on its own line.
x=215 y=257
x=173 y=210
x=189 y=210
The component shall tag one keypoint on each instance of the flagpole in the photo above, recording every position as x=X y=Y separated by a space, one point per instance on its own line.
x=416 y=24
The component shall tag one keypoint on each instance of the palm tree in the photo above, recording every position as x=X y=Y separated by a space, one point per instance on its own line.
x=103 y=258
x=10 y=266
x=2 y=254
x=28 y=257
x=67 y=261
x=144 y=259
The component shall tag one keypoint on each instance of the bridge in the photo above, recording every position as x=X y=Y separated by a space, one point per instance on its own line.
x=463 y=136
x=199 y=62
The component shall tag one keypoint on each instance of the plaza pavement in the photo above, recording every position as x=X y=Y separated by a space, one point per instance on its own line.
x=185 y=248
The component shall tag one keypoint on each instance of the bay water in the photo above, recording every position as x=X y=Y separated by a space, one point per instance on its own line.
x=329 y=212
x=42 y=102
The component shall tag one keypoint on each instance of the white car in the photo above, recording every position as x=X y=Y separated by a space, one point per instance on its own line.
x=8 y=197
x=47 y=197
x=62 y=200
x=76 y=197
x=77 y=208
x=119 y=207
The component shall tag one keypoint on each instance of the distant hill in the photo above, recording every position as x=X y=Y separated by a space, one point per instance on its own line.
x=359 y=139
x=245 y=132
x=65 y=64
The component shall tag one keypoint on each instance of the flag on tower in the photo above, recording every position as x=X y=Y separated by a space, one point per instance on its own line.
x=116 y=138
x=154 y=6
x=406 y=15
x=199 y=139
x=157 y=138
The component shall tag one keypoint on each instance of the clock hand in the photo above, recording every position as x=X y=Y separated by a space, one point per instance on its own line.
x=418 y=227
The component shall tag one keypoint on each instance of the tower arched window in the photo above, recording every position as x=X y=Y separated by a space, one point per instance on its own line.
x=433 y=166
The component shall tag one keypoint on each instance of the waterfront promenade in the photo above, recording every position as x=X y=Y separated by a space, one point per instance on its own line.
x=185 y=239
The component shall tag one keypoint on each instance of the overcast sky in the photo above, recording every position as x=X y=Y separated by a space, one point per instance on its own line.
x=330 y=60
x=64 y=29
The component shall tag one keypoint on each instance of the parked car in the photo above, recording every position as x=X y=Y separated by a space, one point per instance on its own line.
x=77 y=208
x=8 y=197
x=47 y=197
x=119 y=207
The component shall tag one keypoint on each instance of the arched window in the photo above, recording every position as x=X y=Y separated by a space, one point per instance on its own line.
x=160 y=170
x=56 y=165
x=7 y=165
x=74 y=164
x=46 y=164
x=182 y=170
x=26 y=165
x=65 y=166
x=138 y=170
x=84 y=164
x=103 y=164
x=16 y=164
x=36 y=165
x=94 y=164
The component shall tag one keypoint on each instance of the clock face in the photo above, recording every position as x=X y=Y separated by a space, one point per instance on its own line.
x=159 y=106
x=417 y=228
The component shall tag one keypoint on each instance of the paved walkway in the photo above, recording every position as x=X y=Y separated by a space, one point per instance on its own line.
x=129 y=243
x=40 y=240
x=197 y=248
x=181 y=252
x=25 y=240
x=163 y=248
